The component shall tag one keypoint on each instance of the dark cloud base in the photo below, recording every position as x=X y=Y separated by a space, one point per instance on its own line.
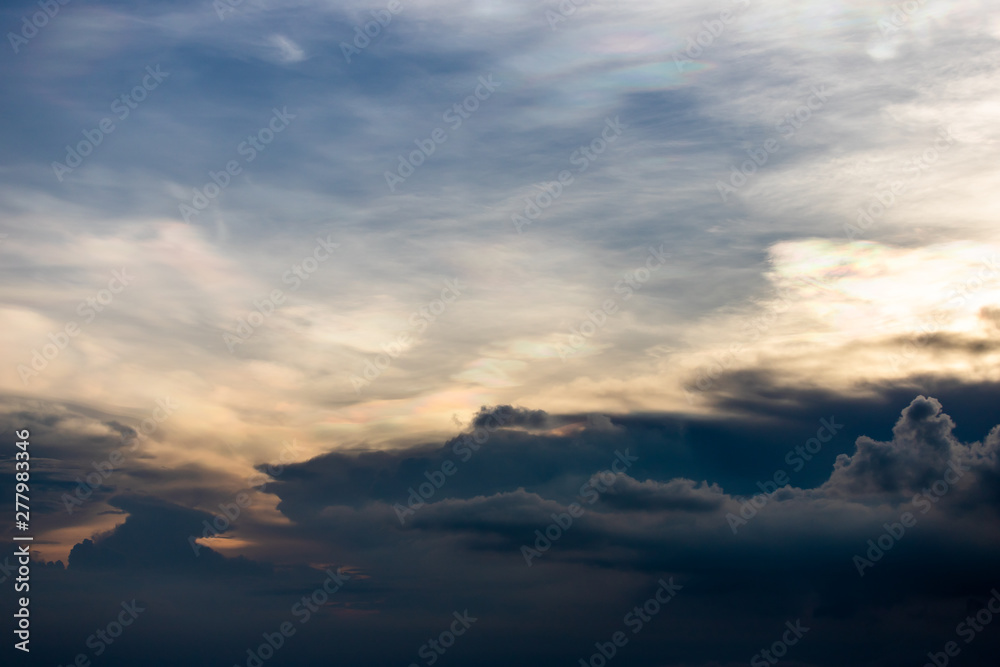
x=664 y=511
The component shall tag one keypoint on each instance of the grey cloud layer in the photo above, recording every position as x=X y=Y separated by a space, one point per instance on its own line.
x=795 y=552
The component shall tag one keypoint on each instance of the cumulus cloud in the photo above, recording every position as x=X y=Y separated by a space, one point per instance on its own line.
x=683 y=495
x=922 y=448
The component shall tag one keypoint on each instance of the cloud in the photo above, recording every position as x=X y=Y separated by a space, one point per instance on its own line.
x=678 y=494
x=288 y=51
x=464 y=543
x=919 y=453
x=155 y=538
x=506 y=416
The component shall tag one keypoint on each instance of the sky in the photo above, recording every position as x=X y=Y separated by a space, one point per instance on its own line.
x=414 y=333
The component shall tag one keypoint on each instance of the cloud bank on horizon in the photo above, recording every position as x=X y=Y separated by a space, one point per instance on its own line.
x=549 y=526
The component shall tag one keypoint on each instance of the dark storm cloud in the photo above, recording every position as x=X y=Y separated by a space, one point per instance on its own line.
x=499 y=452
x=508 y=416
x=155 y=537
x=919 y=453
x=77 y=440
x=947 y=342
x=463 y=546
x=82 y=458
x=679 y=494
x=921 y=450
